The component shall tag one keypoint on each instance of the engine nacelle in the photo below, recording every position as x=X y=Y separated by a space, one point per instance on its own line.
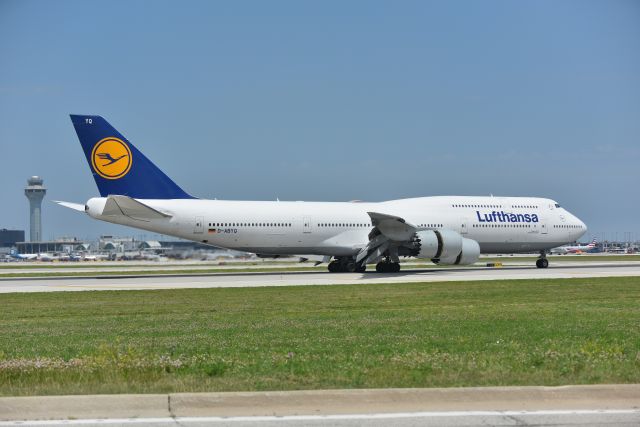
x=438 y=244
x=469 y=254
x=446 y=247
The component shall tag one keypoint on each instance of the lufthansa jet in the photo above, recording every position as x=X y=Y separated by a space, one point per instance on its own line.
x=448 y=230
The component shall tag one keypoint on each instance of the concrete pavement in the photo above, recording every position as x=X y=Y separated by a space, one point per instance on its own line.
x=219 y=280
x=350 y=404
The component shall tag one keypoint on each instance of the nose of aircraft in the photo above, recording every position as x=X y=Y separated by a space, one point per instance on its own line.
x=581 y=229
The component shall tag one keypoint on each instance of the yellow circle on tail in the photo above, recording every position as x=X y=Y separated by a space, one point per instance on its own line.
x=111 y=158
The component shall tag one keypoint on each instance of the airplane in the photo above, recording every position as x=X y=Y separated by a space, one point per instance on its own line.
x=14 y=254
x=97 y=257
x=569 y=249
x=448 y=230
x=47 y=257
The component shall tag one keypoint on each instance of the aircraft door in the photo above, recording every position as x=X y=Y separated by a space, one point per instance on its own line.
x=198 y=227
x=543 y=226
x=306 y=224
x=464 y=226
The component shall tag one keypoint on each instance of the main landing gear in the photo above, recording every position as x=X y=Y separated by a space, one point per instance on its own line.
x=388 y=267
x=346 y=265
x=542 y=262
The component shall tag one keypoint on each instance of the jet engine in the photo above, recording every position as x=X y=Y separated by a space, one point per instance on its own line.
x=445 y=247
x=468 y=255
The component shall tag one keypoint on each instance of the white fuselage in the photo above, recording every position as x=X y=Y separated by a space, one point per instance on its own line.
x=498 y=224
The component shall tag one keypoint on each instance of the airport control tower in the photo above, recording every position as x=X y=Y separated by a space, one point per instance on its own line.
x=35 y=192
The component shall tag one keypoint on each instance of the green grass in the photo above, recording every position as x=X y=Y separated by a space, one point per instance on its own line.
x=534 y=332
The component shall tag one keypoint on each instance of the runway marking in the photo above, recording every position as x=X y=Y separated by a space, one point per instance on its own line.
x=381 y=416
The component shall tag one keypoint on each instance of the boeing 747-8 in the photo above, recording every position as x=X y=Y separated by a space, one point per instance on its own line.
x=450 y=230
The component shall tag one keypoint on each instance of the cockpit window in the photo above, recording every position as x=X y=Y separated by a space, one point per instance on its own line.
x=557 y=205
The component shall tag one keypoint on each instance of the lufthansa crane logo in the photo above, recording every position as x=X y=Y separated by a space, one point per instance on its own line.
x=111 y=158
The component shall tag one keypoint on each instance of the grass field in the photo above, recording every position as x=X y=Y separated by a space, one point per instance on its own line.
x=538 y=332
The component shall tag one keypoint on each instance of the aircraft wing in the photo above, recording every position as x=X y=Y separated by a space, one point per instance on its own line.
x=387 y=230
x=393 y=227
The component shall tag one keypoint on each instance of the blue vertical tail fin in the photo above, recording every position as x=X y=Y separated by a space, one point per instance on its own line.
x=117 y=165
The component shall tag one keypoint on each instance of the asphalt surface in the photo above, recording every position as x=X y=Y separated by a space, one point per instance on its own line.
x=306 y=278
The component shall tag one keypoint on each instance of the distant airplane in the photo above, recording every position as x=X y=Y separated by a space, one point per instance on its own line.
x=568 y=249
x=31 y=257
x=449 y=230
x=47 y=257
x=14 y=254
x=71 y=257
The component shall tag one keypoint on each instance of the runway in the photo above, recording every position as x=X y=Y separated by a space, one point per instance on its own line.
x=308 y=278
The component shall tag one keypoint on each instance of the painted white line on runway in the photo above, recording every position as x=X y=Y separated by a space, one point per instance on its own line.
x=382 y=416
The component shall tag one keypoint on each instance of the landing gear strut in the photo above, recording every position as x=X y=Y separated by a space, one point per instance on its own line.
x=542 y=262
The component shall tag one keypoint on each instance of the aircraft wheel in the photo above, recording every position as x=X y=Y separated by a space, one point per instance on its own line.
x=334 y=267
x=388 y=267
x=350 y=267
x=361 y=268
x=542 y=263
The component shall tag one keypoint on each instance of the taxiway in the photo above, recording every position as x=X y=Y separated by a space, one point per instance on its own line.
x=310 y=278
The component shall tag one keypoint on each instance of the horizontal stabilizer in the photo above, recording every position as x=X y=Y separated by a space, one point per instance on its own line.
x=75 y=206
x=123 y=205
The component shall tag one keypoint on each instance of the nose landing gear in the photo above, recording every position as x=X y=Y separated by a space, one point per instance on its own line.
x=542 y=262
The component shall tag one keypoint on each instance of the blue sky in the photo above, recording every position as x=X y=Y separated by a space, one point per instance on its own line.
x=329 y=101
